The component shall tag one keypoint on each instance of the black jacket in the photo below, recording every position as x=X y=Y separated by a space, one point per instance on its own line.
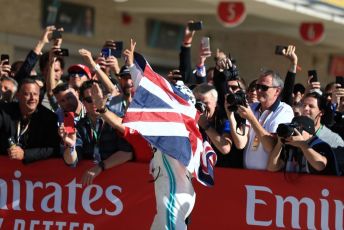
x=41 y=139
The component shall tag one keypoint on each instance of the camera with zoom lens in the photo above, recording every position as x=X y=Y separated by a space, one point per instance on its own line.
x=200 y=106
x=288 y=129
x=236 y=99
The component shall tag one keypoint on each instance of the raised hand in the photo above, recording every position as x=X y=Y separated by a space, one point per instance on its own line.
x=87 y=55
x=112 y=62
x=188 y=34
x=68 y=139
x=290 y=54
x=47 y=34
x=129 y=53
x=97 y=96
x=5 y=68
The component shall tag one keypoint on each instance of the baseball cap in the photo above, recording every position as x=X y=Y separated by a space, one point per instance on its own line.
x=305 y=123
x=124 y=71
x=80 y=67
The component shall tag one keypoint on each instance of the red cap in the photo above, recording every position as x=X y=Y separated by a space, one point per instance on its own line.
x=80 y=67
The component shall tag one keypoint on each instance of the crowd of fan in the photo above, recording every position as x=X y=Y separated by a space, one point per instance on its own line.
x=269 y=124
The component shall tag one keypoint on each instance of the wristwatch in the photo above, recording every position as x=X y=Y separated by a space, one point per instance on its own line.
x=102 y=110
x=101 y=164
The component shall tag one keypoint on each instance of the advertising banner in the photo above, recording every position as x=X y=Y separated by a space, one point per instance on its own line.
x=48 y=195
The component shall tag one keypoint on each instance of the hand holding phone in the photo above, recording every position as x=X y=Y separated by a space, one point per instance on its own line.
x=68 y=122
x=314 y=75
x=193 y=26
x=279 y=49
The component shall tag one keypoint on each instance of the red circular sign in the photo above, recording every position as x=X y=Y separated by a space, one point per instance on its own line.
x=231 y=13
x=312 y=32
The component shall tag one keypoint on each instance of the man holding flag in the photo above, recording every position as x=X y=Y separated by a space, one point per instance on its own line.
x=165 y=118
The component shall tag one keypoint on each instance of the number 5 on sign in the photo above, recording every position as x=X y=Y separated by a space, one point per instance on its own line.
x=231 y=14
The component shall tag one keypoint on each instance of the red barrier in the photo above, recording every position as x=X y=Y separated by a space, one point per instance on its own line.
x=47 y=195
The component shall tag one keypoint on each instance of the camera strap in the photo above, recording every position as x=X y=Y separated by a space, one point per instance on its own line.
x=21 y=129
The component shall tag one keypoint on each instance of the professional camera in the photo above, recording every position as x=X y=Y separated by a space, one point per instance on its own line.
x=300 y=123
x=200 y=106
x=236 y=99
x=287 y=129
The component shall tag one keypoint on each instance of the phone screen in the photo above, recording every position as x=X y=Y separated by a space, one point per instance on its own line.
x=195 y=26
x=340 y=81
x=68 y=122
x=314 y=74
x=117 y=53
x=107 y=52
x=205 y=44
x=5 y=57
x=279 y=50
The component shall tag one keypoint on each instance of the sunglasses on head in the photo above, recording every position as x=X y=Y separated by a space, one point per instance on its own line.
x=264 y=87
x=76 y=74
x=88 y=100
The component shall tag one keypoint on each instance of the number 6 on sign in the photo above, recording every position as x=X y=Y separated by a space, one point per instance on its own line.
x=312 y=32
x=231 y=14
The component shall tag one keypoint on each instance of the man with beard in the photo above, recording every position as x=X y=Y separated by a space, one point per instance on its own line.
x=126 y=84
x=28 y=131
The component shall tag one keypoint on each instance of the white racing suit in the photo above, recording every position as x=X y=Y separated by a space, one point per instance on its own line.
x=174 y=193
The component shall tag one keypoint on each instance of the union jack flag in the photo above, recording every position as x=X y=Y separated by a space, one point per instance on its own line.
x=164 y=117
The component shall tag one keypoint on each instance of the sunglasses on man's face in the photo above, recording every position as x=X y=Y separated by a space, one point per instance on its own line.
x=77 y=74
x=233 y=87
x=264 y=87
x=88 y=100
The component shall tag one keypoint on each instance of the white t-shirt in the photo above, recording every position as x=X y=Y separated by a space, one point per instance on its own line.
x=257 y=157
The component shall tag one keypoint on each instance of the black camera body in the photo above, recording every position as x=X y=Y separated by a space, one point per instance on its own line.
x=286 y=130
x=236 y=99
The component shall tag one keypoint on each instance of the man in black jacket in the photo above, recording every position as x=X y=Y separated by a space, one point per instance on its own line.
x=28 y=131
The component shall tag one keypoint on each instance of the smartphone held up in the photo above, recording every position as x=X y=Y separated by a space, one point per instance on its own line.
x=68 y=122
x=193 y=26
x=62 y=52
x=205 y=46
x=114 y=49
x=313 y=74
x=5 y=57
x=279 y=49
